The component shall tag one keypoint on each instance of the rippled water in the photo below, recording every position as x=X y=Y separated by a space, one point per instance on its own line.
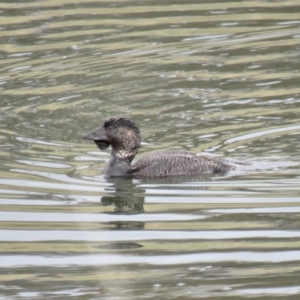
x=209 y=77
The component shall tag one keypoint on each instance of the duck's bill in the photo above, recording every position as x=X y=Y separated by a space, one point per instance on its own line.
x=98 y=136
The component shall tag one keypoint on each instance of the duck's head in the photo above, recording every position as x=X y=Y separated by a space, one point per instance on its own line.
x=121 y=133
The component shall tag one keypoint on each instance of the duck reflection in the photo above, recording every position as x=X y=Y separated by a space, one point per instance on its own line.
x=128 y=194
x=179 y=180
x=127 y=197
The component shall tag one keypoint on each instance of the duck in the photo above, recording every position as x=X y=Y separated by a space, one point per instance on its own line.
x=124 y=137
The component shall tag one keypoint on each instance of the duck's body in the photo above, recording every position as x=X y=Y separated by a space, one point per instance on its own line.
x=124 y=137
x=178 y=162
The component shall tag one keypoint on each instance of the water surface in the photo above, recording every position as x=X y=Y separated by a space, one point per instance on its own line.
x=220 y=78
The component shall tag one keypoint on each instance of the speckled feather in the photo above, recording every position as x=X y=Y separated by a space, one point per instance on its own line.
x=178 y=162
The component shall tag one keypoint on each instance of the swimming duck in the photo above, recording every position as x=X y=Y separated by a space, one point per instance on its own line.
x=123 y=136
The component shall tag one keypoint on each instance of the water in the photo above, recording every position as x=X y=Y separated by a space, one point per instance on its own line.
x=220 y=78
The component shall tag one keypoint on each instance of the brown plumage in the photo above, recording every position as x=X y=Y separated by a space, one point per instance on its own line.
x=124 y=137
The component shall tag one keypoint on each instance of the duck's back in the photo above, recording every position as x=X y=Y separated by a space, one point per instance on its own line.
x=178 y=162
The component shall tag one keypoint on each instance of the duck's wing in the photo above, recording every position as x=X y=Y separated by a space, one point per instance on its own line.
x=177 y=162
